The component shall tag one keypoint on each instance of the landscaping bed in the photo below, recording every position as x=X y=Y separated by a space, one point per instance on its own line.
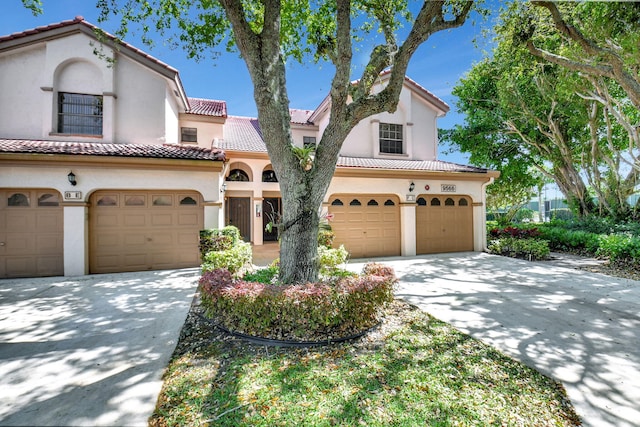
x=411 y=370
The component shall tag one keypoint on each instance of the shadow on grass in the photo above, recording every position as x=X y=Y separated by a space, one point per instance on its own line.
x=415 y=371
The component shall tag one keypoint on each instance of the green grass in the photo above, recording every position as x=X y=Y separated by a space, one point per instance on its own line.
x=417 y=372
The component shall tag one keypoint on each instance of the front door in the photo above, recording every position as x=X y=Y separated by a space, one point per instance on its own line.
x=239 y=215
x=272 y=210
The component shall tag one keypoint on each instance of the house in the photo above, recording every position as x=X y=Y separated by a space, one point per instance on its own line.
x=106 y=165
x=390 y=196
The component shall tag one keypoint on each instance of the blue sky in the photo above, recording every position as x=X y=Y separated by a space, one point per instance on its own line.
x=437 y=65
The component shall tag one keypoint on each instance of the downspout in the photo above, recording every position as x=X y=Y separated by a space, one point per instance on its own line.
x=484 y=217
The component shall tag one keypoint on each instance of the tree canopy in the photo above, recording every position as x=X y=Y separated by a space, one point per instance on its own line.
x=532 y=110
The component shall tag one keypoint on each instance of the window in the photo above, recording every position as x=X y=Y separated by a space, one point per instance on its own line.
x=79 y=114
x=48 y=199
x=189 y=134
x=309 y=141
x=269 y=176
x=390 y=138
x=18 y=199
x=337 y=202
x=238 y=175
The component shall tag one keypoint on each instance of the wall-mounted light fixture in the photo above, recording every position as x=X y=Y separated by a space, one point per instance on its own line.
x=72 y=178
x=223 y=187
x=411 y=187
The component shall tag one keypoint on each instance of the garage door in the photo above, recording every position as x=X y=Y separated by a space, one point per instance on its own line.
x=367 y=225
x=144 y=230
x=31 y=233
x=444 y=224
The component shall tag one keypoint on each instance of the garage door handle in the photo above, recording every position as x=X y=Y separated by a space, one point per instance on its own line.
x=1 y=243
x=149 y=239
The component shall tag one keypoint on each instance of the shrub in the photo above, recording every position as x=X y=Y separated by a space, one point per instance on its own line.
x=515 y=232
x=264 y=275
x=215 y=239
x=311 y=311
x=620 y=248
x=325 y=238
x=232 y=259
x=530 y=249
x=564 y=239
x=331 y=259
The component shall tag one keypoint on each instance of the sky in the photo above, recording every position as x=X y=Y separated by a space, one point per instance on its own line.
x=437 y=65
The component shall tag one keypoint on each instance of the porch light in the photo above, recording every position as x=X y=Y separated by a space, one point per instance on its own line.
x=72 y=178
x=411 y=187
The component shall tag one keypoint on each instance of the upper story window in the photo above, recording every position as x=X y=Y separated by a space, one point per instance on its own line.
x=79 y=114
x=390 y=138
x=309 y=141
x=189 y=134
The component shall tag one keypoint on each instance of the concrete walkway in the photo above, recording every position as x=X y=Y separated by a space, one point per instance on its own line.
x=580 y=328
x=88 y=351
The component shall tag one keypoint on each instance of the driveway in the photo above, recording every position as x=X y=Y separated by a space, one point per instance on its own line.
x=580 y=328
x=89 y=350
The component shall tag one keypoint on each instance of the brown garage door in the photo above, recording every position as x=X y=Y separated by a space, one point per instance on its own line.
x=144 y=230
x=367 y=225
x=31 y=233
x=444 y=224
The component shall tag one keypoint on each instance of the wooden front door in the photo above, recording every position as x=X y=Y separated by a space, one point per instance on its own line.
x=239 y=215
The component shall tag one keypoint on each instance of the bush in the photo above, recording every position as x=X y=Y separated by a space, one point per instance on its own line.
x=515 y=232
x=312 y=311
x=568 y=240
x=265 y=275
x=215 y=239
x=331 y=259
x=232 y=259
x=530 y=249
x=325 y=238
x=620 y=248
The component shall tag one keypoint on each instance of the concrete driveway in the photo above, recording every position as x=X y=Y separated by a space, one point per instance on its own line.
x=580 y=328
x=89 y=350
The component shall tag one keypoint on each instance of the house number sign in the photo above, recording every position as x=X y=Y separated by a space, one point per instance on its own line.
x=448 y=188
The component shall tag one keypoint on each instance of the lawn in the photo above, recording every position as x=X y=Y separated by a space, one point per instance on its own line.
x=413 y=370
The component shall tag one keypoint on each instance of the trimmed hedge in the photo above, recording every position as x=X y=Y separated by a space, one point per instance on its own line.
x=529 y=249
x=223 y=248
x=311 y=311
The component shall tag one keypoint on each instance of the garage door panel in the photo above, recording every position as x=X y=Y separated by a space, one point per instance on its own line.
x=368 y=229
x=134 y=220
x=443 y=228
x=31 y=228
x=107 y=220
x=160 y=234
x=162 y=219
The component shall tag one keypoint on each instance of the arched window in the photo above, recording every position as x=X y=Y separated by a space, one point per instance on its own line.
x=269 y=176
x=463 y=202
x=18 y=199
x=48 y=199
x=107 y=201
x=435 y=202
x=372 y=203
x=421 y=201
x=389 y=203
x=355 y=202
x=449 y=202
x=238 y=175
x=188 y=201
x=337 y=202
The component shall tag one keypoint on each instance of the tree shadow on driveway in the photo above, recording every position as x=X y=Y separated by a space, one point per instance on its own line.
x=580 y=328
x=89 y=350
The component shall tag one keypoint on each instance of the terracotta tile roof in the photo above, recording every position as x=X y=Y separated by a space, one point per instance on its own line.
x=79 y=20
x=416 y=165
x=300 y=117
x=242 y=134
x=207 y=107
x=164 y=151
